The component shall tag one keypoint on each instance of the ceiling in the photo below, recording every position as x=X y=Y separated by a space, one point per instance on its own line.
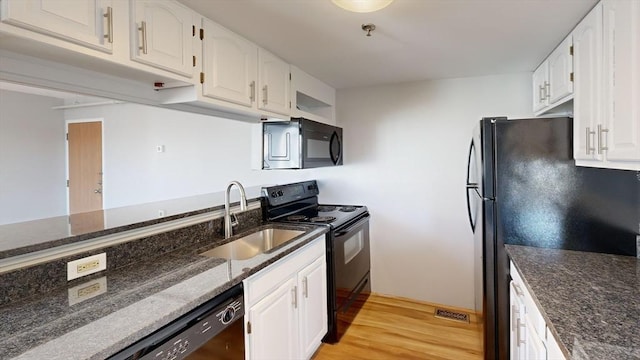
x=414 y=39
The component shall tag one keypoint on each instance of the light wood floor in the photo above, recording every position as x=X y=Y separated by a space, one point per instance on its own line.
x=397 y=328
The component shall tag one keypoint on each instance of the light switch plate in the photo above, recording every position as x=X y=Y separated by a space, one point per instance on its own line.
x=86 y=266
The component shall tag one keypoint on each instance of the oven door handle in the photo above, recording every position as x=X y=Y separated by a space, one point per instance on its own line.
x=356 y=225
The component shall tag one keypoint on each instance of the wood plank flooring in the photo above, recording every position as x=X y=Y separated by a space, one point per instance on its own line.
x=397 y=328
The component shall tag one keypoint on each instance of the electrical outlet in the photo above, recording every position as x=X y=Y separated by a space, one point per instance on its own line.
x=86 y=266
x=87 y=290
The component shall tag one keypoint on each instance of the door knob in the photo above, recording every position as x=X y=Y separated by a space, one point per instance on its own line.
x=97 y=191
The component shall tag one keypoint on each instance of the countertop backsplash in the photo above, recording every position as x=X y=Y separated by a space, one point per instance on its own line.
x=40 y=279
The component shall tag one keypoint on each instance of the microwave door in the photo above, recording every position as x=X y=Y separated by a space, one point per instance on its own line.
x=282 y=146
x=321 y=148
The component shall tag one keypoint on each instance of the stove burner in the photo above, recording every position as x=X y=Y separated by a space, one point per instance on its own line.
x=296 y=218
x=348 y=208
x=325 y=208
x=322 y=219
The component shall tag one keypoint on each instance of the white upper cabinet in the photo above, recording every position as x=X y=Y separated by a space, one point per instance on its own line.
x=561 y=71
x=587 y=50
x=88 y=23
x=274 y=83
x=229 y=65
x=553 y=79
x=607 y=110
x=161 y=35
x=540 y=86
x=619 y=136
x=311 y=98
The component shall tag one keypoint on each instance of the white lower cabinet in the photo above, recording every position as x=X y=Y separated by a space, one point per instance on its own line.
x=530 y=337
x=287 y=306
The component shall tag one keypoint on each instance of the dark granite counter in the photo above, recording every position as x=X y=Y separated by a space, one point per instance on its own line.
x=590 y=301
x=126 y=304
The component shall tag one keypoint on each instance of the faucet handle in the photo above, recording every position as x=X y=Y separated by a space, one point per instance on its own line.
x=233 y=219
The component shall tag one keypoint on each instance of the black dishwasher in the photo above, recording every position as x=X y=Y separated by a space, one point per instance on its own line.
x=214 y=330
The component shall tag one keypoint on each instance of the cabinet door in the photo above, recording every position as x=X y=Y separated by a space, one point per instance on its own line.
x=274 y=325
x=622 y=82
x=230 y=65
x=312 y=282
x=587 y=57
x=560 y=70
x=540 y=84
x=517 y=326
x=88 y=23
x=535 y=348
x=274 y=83
x=161 y=35
x=553 y=349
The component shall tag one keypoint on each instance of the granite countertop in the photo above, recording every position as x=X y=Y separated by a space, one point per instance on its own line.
x=128 y=303
x=590 y=301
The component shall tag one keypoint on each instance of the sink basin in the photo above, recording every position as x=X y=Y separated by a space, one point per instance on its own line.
x=253 y=244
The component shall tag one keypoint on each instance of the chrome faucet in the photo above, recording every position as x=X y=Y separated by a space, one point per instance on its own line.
x=228 y=223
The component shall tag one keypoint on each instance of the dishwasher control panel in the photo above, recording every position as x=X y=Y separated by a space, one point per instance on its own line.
x=200 y=331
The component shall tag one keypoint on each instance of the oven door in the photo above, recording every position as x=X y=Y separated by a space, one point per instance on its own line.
x=351 y=265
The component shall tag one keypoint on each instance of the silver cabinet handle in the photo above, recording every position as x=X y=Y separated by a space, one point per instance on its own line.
x=253 y=91
x=264 y=94
x=601 y=148
x=520 y=337
x=518 y=290
x=589 y=149
x=541 y=94
x=143 y=29
x=305 y=289
x=514 y=316
x=109 y=17
x=547 y=90
x=295 y=297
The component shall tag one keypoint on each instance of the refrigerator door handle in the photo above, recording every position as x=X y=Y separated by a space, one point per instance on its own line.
x=473 y=225
x=480 y=195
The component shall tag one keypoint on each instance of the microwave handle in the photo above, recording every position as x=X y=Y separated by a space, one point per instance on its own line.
x=334 y=157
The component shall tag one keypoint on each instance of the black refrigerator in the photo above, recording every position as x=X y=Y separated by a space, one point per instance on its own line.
x=523 y=188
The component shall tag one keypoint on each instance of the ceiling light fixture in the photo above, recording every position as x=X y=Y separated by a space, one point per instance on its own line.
x=368 y=28
x=362 y=6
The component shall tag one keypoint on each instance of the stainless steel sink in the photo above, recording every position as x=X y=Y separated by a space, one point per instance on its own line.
x=253 y=244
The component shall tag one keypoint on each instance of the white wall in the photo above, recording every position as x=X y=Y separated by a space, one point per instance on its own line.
x=406 y=149
x=202 y=154
x=32 y=168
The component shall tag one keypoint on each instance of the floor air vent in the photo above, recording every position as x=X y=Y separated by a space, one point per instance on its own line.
x=452 y=315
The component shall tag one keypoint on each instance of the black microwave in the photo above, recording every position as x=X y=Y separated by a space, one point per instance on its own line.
x=300 y=144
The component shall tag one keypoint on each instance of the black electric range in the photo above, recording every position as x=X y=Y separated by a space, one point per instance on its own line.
x=348 y=249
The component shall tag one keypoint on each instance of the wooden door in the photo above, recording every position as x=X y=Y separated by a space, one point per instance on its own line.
x=85 y=166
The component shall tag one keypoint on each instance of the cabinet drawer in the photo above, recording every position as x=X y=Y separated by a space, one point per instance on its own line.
x=259 y=285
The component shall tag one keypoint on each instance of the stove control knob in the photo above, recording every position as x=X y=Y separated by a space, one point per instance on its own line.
x=280 y=193
x=274 y=194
